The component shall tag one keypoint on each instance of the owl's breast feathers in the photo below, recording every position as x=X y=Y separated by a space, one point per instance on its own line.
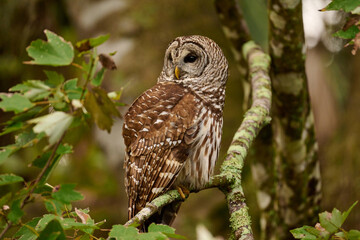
x=164 y=127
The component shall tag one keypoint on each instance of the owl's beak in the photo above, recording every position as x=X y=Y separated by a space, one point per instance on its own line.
x=177 y=72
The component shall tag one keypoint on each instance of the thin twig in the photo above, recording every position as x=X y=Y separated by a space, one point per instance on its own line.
x=47 y=165
x=88 y=77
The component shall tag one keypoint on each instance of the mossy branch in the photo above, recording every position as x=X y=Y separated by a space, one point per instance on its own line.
x=229 y=179
x=255 y=118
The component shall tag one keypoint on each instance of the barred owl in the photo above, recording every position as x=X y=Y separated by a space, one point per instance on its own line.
x=172 y=132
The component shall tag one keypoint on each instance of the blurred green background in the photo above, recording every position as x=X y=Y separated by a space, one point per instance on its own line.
x=140 y=32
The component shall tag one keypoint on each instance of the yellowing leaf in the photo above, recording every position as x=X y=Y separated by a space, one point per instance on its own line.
x=101 y=108
x=53 y=124
x=82 y=215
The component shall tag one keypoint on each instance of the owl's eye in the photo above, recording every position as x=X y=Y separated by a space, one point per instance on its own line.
x=190 y=58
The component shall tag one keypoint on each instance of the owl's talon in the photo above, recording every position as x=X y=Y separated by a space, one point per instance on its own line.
x=183 y=191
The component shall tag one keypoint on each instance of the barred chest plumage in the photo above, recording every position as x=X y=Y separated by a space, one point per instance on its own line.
x=204 y=152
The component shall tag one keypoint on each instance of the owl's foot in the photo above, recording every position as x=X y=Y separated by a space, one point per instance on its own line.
x=183 y=191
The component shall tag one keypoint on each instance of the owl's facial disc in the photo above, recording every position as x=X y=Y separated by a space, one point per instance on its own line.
x=186 y=61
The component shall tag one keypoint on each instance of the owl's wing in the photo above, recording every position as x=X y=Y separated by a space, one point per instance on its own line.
x=158 y=130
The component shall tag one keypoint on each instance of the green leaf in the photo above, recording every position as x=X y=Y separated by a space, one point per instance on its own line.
x=53 y=231
x=70 y=223
x=48 y=172
x=350 y=33
x=53 y=124
x=33 y=89
x=64 y=149
x=41 y=160
x=54 y=206
x=54 y=78
x=87 y=44
x=101 y=108
x=66 y=194
x=97 y=80
x=27 y=138
x=5 y=153
x=27 y=231
x=27 y=115
x=15 y=102
x=12 y=127
x=9 y=179
x=17 y=122
x=326 y=222
x=85 y=237
x=72 y=90
x=160 y=228
x=166 y=230
x=303 y=233
x=121 y=232
x=336 y=218
x=152 y=236
x=346 y=5
x=55 y=52
x=346 y=213
x=58 y=100
x=44 y=189
x=5 y=199
x=354 y=235
x=94 y=42
x=44 y=221
x=15 y=211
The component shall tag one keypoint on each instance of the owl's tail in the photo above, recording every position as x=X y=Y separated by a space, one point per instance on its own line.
x=166 y=216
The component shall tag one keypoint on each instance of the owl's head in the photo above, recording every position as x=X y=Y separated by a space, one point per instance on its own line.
x=195 y=59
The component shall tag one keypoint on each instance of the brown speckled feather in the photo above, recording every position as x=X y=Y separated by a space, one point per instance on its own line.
x=154 y=131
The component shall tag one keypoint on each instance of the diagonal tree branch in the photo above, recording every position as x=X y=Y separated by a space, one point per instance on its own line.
x=255 y=118
x=229 y=179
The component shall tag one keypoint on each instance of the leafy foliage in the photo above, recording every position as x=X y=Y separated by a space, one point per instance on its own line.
x=48 y=109
x=346 y=5
x=351 y=29
x=156 y=232
x=330 y=227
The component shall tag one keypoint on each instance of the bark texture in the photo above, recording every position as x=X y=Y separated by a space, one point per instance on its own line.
x=236 y=31
x=297 y=175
